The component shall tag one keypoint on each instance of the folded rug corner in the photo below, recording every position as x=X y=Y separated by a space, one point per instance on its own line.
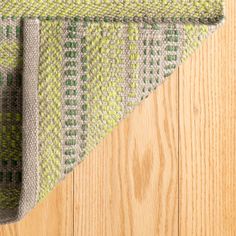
x=71 y=70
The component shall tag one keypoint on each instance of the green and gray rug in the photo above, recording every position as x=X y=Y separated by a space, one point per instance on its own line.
x=70 y=70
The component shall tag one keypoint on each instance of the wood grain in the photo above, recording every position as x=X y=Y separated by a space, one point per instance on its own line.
x=169 y=169
x=207 y=129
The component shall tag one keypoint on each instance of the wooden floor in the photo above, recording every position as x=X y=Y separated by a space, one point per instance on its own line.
x=169 y=169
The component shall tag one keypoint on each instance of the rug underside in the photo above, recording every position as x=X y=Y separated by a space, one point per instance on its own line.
x=70 y=71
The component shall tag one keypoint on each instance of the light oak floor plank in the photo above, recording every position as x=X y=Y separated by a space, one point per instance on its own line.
x=207 y=121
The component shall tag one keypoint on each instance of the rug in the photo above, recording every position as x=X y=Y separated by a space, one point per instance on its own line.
x=71 y=70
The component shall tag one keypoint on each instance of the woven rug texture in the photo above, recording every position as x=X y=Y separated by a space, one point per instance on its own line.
x=71 y=70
